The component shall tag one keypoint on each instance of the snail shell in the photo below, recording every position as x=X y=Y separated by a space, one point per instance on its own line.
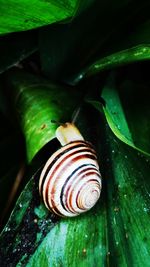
x=70 y=182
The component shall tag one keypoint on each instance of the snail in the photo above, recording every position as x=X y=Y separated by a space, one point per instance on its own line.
x=70 y=182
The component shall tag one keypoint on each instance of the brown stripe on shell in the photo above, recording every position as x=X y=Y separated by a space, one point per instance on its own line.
x=68 y=199
x=60 y=152
x=63 y=157
x=72 y=153
x=54 y=187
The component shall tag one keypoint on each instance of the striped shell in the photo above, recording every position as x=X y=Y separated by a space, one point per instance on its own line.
x=70 y=182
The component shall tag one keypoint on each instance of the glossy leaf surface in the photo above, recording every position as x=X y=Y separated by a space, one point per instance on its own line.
x=127 y=112
x=38 y=103
x=128 y=199
x=141 y=52
x=27 y=15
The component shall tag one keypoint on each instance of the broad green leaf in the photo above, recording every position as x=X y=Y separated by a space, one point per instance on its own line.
x=74 y=242
x=27 y=14
x=16 y=47
x=37 y=102
x=137 y=53
x=127 y=112
x=128 y=213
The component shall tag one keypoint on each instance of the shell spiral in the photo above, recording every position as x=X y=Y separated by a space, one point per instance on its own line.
x=70 y=182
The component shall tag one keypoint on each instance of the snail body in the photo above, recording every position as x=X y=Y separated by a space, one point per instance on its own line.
x=70 y=182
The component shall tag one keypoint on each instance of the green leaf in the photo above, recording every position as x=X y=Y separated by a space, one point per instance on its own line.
x=127 y=112
x=27 y=15
x=79 y=242
x=138 y=53
x=37 y=102
x=128 y=189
